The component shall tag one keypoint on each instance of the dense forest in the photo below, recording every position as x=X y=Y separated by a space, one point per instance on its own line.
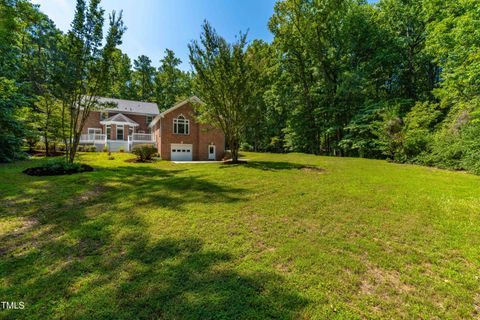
x=398 y=79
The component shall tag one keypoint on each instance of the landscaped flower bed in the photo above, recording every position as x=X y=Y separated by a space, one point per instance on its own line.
x=57 y=168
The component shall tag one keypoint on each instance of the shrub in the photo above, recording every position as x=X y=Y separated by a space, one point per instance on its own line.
x=57 y=167
x=105 y=148
x=40 y=146
x=122 y=149
x=144 y=152
x=91 y=148
x=245 y=146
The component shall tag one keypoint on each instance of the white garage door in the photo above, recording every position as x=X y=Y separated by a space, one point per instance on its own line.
x=181 y=152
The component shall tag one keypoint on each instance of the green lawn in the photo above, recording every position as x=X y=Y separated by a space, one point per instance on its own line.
x=360 y=239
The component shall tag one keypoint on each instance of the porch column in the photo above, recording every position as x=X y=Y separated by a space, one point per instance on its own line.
x=113 y=132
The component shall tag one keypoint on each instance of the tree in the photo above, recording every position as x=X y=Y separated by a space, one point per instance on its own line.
x=11 y=130
x=264 y=130
x=171 y=83
x=27 y=41
x=40 y=69
x=47 y=121
x=405 y=23
x=144 y=76
x=453 y=40
x=86 y=68
x=120 y=82
x=223 y=80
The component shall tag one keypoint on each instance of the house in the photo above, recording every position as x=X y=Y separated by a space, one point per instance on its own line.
x=122 y=124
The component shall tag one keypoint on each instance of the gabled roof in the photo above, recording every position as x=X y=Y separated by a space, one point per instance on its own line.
x=129 y=106
x=193 y=99
x=119 y=119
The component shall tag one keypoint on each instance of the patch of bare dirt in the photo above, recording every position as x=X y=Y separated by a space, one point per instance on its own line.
x=283 y=268
x=95 y=192
x=311 y=169
x=476 y=306
x=9 y=240
x=379 y=282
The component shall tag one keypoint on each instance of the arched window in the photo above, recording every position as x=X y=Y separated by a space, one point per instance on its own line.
x=181 y=125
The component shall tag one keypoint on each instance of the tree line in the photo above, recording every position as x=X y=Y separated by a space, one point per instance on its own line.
x=396 y=79
x=49 y=80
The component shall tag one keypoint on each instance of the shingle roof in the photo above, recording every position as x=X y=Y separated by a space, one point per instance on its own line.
x=193 y=99
x=149 y=108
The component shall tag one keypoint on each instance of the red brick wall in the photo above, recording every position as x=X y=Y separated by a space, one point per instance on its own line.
x=93 y=121
x=209 y=135
x=200 y=135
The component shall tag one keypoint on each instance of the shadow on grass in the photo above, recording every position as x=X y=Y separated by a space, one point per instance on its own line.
x=272 y=166
x=87 y=254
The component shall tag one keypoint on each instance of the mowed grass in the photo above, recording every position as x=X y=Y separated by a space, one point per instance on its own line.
x=269 y=239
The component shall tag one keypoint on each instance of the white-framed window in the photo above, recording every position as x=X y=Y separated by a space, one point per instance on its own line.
x=103 y=115
x=181 y=125
x=149 y=119
x=94 y=131
x=109 y=131
x=120 y=133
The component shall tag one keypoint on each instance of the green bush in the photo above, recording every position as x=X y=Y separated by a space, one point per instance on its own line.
x=105 y=148
x=91 y=148
x=245 y=146
x=144 y=152
x=57 y=167
x=40 y=146
x=61 y=164
x=418 y=131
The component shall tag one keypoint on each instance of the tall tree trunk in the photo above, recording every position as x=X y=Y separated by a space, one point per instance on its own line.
x=234 y=147
x=45 y=137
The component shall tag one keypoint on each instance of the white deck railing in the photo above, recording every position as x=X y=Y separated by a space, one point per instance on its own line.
x=141 y=137
x=102 y=138
x=94 y=137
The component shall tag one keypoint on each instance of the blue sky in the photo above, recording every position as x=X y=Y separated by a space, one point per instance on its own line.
x=154 y=25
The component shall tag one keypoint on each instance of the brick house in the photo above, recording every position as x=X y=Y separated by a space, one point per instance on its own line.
x=179 y=137
x=122 y=124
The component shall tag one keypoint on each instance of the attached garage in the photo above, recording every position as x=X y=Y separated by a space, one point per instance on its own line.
x=181 y=152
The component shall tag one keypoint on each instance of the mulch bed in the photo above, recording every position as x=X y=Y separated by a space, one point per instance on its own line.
x=50 y=154
x=43 y=171
x=135 y=160
x=229 y=161
x=41 y=153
